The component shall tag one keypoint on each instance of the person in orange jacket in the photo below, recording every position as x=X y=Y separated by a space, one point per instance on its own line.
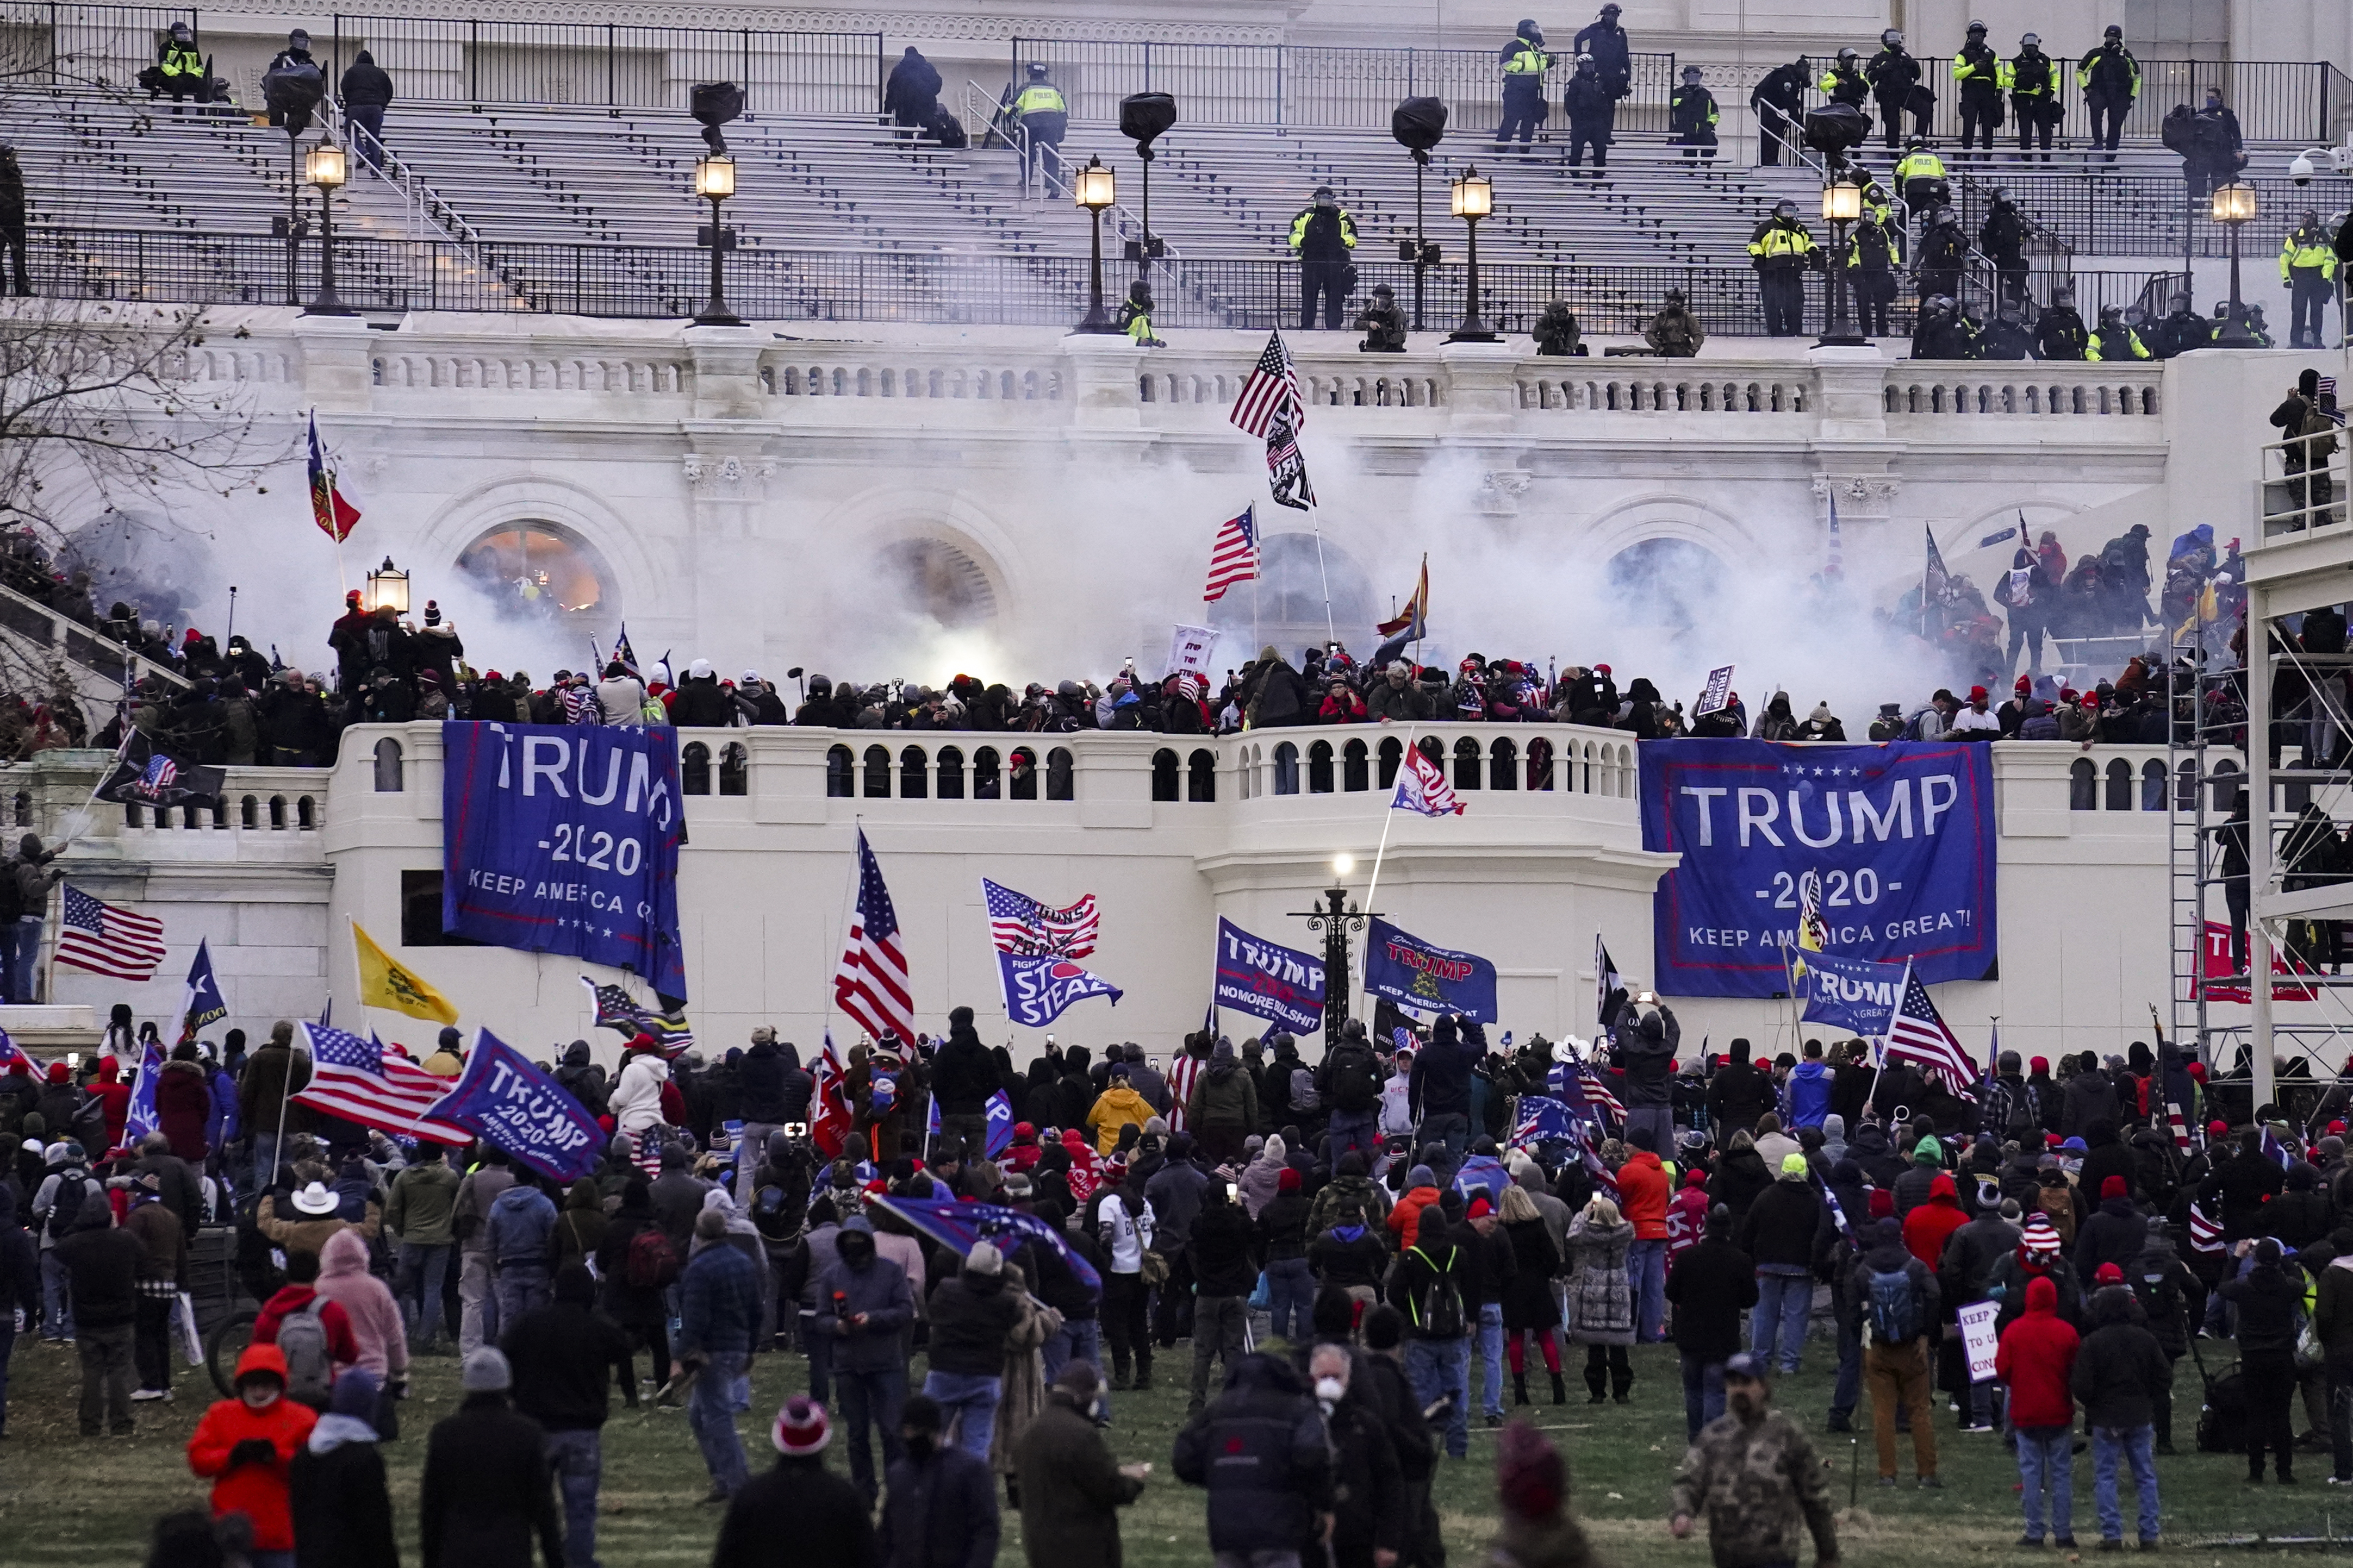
x=1420 y=1192
x=1643 y=1187
x=246 y=1446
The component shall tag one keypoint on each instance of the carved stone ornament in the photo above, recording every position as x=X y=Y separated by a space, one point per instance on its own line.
x=1859 y=495
x=727 y=473
x=1500 y=490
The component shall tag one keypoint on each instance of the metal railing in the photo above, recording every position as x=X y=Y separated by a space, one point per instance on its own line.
x=1308 y=85
x=2142 y=215
x=2275 y=100
x=75 y=46
x=606 y=65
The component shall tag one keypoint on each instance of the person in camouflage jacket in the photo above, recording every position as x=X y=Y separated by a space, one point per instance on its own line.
x=1754 y=1476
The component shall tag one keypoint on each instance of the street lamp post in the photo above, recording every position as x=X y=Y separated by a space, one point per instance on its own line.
x=1841 y=205
x=2235 y=209
x=1094 y=189
x=714 y=181
x=1471 y=197
x=387 y=586
x=1335 y=919
x=327 y=168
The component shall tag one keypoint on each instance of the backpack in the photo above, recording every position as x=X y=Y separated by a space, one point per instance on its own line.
x=1304 y=1097
x=1356 y=1087
x=651 y=1263
x=1437 y=1310
x=2022 y=1122
x=65 y=1204
x=947 y=130
x=1893 y=1320
x=303 y=1341
x=2160 y=1298
x=2179 y=130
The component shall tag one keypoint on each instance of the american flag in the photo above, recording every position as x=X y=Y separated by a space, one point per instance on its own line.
x=1020 y=924
x=161 y=772
x=2180 y=1125
x=1421 y=786
x=1918 y=1033
x=1286 y=470
x=617 y=1010
x=12 y=1054
x=1233 y=558
x=2205 y=1235
x=1541 y=1117
x=358 y=1080
x=108 y=941
x=1273 y=388
x=870 y=984
x=1597 y=1093
x=1183 y=1073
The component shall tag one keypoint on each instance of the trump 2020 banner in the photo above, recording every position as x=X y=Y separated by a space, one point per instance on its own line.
x=512 y=1104
x=1852 y=994
x=1901 y=835
x=1280 y=985
x=558 y=838
x=1404 y=968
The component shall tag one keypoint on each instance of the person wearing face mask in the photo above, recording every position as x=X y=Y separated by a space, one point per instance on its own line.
x=863 y=1300
x=1367 y=1486
x=1754 y=1476
x=2110 y=79
x=1260 y=1453
x=1071 y=1487
x=1781 y=250
x=941 y=1507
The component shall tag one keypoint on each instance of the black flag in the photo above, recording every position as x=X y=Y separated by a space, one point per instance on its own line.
x=1286 y=470
x=1608 y=988
x=145 y=776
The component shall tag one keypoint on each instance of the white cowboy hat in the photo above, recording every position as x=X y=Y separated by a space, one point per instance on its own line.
x=316 y=1199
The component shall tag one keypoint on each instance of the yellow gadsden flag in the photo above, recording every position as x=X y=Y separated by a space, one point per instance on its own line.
x=385 y=983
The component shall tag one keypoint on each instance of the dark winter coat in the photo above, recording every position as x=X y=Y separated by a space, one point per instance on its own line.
x=1738 y=1096
x=1646 y=1051
x=184 y=1103
x=2115 y=1234
x=1258 y=1448
x=487 y=1491
x=1071 y=1489
x=1219 y=1250
x=1781 y=1224
x=2090 y=1096
x=365 y=84
x=1740 y=1179
x=940 y=1512
x=341 y=1508
x=1528 y=1299
x=2268 y=1303
x=2120 y=1373
x=972 y=1315
x=1711 y=1284
x=562 y=1356
x=2245 y=1182
x=800 y=1501
x=964 y=1075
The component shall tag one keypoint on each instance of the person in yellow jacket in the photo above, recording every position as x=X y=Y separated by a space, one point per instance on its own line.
x=1914 y=170
x=2113 y=339
x=1136 y=317
x=1980 y=75
x=1781 y=250
x=2110 y=78
x=1692 y=116
x=1323 y=236
x=1044 y=116
x=2038 y=88
x=181 y=67
x=2308 y=272
x=1523 y=63
x=1844 y=82
x=1115 y=1108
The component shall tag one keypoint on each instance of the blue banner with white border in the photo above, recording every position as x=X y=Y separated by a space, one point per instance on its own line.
x=1901 y=835
x=1266 y=980
x=1417 y=973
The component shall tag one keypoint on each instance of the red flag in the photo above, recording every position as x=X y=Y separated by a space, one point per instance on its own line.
x=830 y=1114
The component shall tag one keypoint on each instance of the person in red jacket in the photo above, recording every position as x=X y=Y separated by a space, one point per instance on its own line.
x=1687 y=1217
x=115 y=1095
x=2036 y=1358
x=299 y=1292
x=184 y=1103
x=1642 y=1192
x=1929 y=1226
x=246 y=1446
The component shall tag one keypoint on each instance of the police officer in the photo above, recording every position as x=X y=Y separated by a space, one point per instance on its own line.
x=1612 y=52
x=1980 y=75
x=1943 y=253
x=1871 y=257
x=2110 y=79
x=2037 y=92
x=1779 y=102
x=2114 y=340
x=1322 y=237
x=1591 y=110
x=182 y=67
x=2006 y=337
x=2002 y=236
x=2059 y=331
x=1692 y=115
x=1920 y=176
x=2218 y=151
x=1135 y=316
x=1382 y=324
x=2308 y=272
x=1895 y=78
x=1525 y=62
x=295 y=55
x=1844 y=83
x=2182 y=329
x=1943 y=333
x=1044 y=116
x=1781 y=250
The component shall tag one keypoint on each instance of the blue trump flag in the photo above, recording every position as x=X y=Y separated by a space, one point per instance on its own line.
x=141 y=1119
x=1852 y=993
x=999 y=1111
x=1900 y=836
x=1407 y=970
x=1038 y=987
x=201 y=1003
x=1482 y=1172
x=564 y=838
x=508 y=1101
x=957 y=1225
x=1281 y=984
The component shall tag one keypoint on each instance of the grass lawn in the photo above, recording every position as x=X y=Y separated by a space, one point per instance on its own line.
x=69 y=1500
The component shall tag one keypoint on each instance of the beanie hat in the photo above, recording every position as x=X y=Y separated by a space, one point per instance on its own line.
x=355 y=1395
x=1421 y=1177
x=1882 y=1204
x=1480 y=1208
x=1288 y=1181
x=1929 y=1150
x=983 y=1258
x=2039 y=1064
x=1795 y=1165
x=486 y=1372
x=1643 y=1138
x=802 y=1428
x=1695 y=1178
x=1531 y=1479
x=2040 y=1235
x=2112 y=1187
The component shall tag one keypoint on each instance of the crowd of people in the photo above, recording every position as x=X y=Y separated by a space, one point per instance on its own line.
x=1417 y=1233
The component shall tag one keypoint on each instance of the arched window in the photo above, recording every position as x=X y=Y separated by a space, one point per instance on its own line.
x=1164 y=775
x=2152 y=785
x=734 y=770
x=1540 y=764
x=1319 y=768
x=1392 y=758
x=25 y=808
x=877 y=773
x=1356 y=768
x=1286 y=769
x=694 y=768
x=543 y=572
x=2226 y=784
x=2120 y=782
x=1201 y=777
x=951 y=773
x=1025 y=774
x=2082 y=785
x=1467 y=758
x=840 y=768
x=306 y=813
x=276 y=813
x=1503 y=765
x=986 y=784
x=2185 y=787
x=914 y=770
x=248 y=813
x=1058 y=775
x=387 y=767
